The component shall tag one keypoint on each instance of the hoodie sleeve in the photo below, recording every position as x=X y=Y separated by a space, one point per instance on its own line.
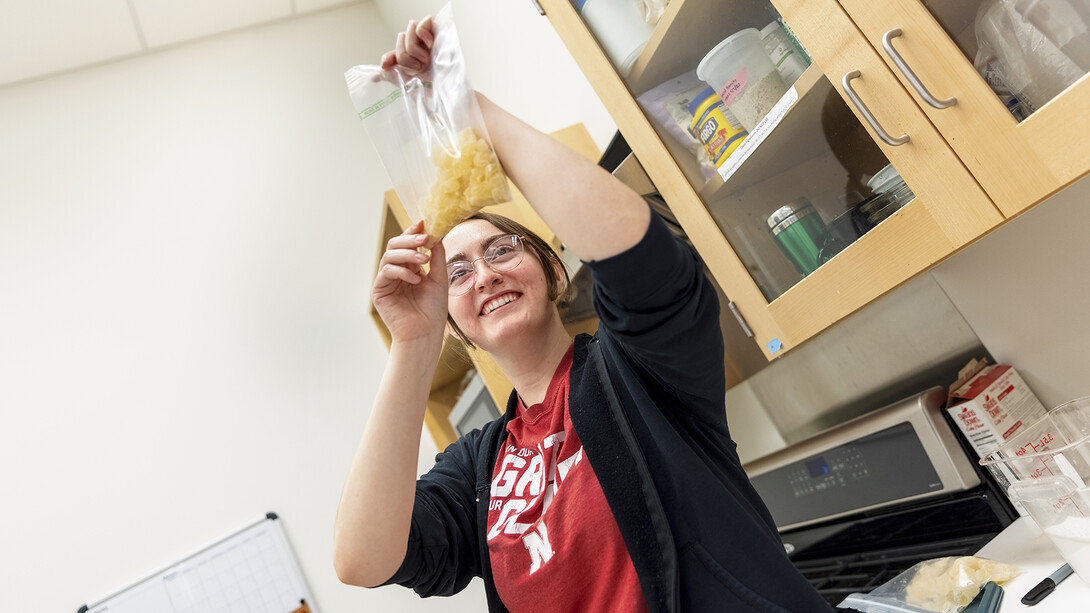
x=656 y=303
x=442 y=555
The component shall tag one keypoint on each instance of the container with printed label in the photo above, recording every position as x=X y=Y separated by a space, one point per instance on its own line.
x=785 y=56
x=745 y=78
x=712 y=127
x=990 y=404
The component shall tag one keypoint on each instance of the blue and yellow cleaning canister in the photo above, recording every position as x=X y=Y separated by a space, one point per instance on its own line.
x=711 y=127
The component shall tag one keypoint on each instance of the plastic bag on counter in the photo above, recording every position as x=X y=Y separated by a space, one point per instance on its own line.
x=429 y=133
x=1032 y=51
x=942 y=585
x=668 y=105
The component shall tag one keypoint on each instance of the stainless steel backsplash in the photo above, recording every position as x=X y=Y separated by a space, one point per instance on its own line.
x=909 y=340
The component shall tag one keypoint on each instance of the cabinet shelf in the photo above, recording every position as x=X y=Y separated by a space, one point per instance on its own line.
x=780 y=148
x=688 y=20
x=796 y=138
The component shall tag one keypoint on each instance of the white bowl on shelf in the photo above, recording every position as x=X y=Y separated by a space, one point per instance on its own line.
x=619 y=27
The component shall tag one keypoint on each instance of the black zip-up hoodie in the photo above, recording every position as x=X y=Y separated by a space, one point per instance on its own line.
x=646 y=397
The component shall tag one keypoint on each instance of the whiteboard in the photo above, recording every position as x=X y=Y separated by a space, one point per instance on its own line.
x=250 y=571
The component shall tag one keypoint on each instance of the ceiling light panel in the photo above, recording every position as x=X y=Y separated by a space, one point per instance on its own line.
x=304 y=6
x=171 y=21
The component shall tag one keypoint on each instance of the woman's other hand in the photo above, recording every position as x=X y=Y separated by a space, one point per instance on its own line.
x=412 y=303
x=413 y=49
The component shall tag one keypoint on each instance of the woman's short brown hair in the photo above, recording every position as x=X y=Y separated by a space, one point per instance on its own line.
x=558 y=284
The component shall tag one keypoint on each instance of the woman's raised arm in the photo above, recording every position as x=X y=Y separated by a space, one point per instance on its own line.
x=373 y=518
x=593 y=213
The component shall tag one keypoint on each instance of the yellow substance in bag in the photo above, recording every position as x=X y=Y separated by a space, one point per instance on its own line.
x=951 y=583
x=464 y=185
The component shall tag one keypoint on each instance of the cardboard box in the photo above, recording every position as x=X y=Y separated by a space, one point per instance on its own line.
x=990 y=404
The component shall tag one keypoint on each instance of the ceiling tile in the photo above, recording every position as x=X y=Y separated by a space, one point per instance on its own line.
x=305 y=6
x=171 y=21
x=39 y=37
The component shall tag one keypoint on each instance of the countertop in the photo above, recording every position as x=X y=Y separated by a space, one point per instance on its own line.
x=1024 y=545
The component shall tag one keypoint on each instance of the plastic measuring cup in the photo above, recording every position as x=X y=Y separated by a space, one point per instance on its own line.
x=1046 y=467
x=743 y=75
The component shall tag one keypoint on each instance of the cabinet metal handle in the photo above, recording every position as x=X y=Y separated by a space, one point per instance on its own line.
x=863 y=110
x=537 y=5
x=741 y=320
x=887 y=44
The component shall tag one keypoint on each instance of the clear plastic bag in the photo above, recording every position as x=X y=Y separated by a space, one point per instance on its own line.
x=1032 y=50
x=668 y=104
x=430 y=135
x=942 y=585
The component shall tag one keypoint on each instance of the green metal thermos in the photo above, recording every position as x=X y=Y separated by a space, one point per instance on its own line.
x=799 y=232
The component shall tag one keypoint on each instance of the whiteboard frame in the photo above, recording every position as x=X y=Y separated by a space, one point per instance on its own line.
x=269 y=517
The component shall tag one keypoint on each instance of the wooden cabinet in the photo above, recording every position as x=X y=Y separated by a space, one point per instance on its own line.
x=960 y=171
x=1019 y=163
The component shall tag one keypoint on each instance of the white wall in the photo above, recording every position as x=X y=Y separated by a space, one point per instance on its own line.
x=1025 y=290
x=186 y=242
x=514 y=56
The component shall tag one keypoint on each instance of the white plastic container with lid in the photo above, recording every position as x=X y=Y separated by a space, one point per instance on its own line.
x=745 y=78
x=783 y=53
x=885 y=179
x=619 y=27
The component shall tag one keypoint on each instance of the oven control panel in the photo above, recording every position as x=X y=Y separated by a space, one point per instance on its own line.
x=829 y=471
x=884 y=466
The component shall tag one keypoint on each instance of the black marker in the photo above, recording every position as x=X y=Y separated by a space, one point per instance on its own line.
x=1045 y=587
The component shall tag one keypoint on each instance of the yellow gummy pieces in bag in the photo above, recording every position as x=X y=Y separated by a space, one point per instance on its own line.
x=949 y=584
x=464 y=184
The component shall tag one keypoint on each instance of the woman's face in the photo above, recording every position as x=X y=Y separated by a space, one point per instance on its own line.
x=500 y=306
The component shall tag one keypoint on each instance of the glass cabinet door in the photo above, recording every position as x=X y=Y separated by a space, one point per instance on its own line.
x=806 y=199
x=810 y=188
x=1003 y=80
x=782 y=166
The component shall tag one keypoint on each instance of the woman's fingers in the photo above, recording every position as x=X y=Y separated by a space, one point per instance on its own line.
x=402 y=255
x=405 y=257
x=438 y=270
x=399 y=273
x=388 y=61
x=414 y=46
x=425 y=31
x=406 y=241
x=405 y=60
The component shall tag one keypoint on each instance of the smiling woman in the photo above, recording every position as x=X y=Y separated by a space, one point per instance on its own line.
x=499 y=300
x=505 y=256
x=611 y=482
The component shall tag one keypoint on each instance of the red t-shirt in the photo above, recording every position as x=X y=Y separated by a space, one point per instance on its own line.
x=552 y=541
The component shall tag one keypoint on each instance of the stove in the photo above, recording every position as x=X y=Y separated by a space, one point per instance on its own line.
x=860 y=503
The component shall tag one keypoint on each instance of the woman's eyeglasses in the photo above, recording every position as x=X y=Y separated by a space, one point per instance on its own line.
x=502 y=253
